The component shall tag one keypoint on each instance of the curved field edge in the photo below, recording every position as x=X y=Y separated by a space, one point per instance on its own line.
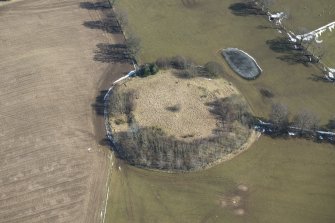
x=150 y=117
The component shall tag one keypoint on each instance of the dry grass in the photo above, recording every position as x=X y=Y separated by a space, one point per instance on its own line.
x=178 y=105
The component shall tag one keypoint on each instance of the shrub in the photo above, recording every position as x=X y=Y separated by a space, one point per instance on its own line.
x=120 y=121
x=174 y=108
x=163 y=63
x=180 y=62
x=153 y=68
x=213 y=69
x=266 y=93
x=147 y=69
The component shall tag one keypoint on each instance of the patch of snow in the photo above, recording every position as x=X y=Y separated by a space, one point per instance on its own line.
x=263 y=123
x=277 y=15
x=318 y=41
x=316 y=34
x=277 y=18
x=291 y=37
x=330 y=73
x=326 y=133
x=106 y=97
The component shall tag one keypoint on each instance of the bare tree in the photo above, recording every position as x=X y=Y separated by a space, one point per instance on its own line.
x=122 y=17
x=133 y=43
x=279 y=116
x=214 y=68
x=264 y=4
x=306 y=120
x=302 y=31
x=317 y=49
x=112 y=2
x=163 y=62
x=331 y=123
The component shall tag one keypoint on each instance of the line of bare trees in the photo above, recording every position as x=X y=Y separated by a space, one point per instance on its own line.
x=303 y=121
x=132 y=41
x=188 y=68
x=304 y=124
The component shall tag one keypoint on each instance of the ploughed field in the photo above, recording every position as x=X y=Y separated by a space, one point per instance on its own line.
x=288 y=180
x=52 y=168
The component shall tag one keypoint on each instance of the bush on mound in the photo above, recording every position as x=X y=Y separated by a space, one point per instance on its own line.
x=242 y=63
x=147 y=69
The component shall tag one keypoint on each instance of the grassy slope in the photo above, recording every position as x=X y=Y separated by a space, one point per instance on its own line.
x=312 y=15
x=285 y=185
x=306 y=13
x=329 y=45
x=168 y=28
x=290 y=181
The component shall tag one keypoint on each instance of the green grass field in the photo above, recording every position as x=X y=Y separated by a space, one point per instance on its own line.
x=199 y=33
x=288 y=180
x=310 y=15
x=306 y=14
x=329 y=46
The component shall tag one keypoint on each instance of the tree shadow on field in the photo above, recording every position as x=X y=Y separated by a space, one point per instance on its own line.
x=296 y=58
x=293 y=53
x=100 y=5
x=109 y=25
x=105 y=142
x=99 y=104
x=245 y=9
x=265 y=27
x=190 y=3
x=283 y=45
x=109 y=53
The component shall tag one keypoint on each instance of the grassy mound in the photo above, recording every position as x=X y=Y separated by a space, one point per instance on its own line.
x=170 y=123
x=241 y=63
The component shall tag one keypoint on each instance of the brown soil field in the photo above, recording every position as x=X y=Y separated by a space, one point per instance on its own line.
x=177 y=105
x=6 y=2
x=53 y=166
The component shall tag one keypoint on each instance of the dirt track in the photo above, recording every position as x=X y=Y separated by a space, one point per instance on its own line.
x=52 y=167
